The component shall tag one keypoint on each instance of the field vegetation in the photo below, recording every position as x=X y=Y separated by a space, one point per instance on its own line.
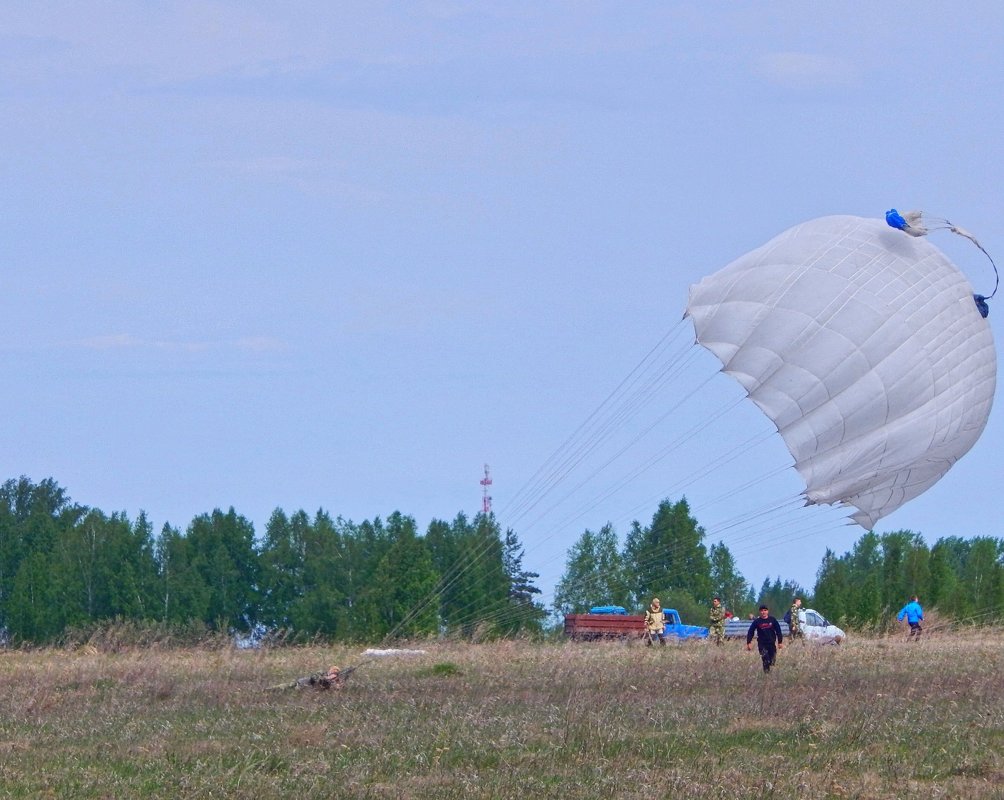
x=873 y=718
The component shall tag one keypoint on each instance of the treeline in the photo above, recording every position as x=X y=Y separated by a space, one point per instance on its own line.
x=960 y=579
x=666 y=559
x=66 y=566
x=963 y=579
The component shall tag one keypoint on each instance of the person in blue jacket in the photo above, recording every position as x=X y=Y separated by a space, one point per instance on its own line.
x=913 y=614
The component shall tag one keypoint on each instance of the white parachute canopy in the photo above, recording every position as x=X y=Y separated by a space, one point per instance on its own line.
x=866 y=349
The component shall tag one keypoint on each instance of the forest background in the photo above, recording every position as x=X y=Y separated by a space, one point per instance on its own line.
x=67 y=570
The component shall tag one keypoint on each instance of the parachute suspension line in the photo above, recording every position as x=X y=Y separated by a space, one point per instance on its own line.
x=692 y=476
x=761 y=542
x=792 y=503
x=604 y=430
x=981 y=299
x=766 y=527
x=702 y=471
x=651 y=374
x=914 y=223
x=633 y=474
x=708 y=468
x=662 y=454
x=772 y=517
x=759 y=479
x=621 y=404
x=774 y=510
x=529 y=487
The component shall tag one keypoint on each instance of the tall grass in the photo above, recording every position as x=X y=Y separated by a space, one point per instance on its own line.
x=873 y=718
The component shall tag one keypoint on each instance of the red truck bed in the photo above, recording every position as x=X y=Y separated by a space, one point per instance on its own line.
x=597 y=626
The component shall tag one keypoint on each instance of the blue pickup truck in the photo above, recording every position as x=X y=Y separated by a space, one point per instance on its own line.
x=604 y=622
x=675 y=626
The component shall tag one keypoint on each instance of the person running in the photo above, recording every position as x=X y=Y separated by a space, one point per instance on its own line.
x=716 y=620
x=655 y=623
x=914 y=614
x=768 y=637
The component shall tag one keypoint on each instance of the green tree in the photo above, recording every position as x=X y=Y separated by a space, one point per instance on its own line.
x=282 y=557
x=982 y=578
x=34 y=613
x=668 y=555
x=322 y=607
x=491 y=584
x=526 y=613
x=948 y=593
x=445 y=543
x=865 y=566
x=224 y=553
x=485 y=586
x=777 y=595
x=365 y=547
x=106 y=569
x=183 y=593
x=904 y=568
x=34 y=519
x=404 y=581
x=917 y=569
x=475 y=583
x=594 y=574
x=832 y=594
x=727 y=583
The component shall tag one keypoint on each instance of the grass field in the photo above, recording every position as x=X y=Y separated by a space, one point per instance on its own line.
x=873 y=718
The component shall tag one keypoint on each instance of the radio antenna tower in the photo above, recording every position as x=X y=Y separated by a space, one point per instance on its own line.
x=486 y=499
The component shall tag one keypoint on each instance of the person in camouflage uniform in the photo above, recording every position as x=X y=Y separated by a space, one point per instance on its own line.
x=334 y=678
x=331 y=679
x=655 y=623
x=716 y=621
x=794 y=624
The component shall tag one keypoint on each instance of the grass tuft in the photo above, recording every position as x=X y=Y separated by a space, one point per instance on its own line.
x=444 y=670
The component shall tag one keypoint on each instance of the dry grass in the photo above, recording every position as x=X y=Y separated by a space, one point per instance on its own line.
x=874 y=718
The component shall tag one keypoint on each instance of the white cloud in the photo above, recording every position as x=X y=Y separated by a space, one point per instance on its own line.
x=128 y=341
x=260 y=344
x=808 y=70
x=154 y=43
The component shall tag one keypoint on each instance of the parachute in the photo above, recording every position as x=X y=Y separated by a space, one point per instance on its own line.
x=864 y=347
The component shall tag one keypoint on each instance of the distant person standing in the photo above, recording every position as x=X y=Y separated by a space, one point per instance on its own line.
x=716 y=621
x=655 y=623
x=794 y=623
x=768 y=637
x=913 y=614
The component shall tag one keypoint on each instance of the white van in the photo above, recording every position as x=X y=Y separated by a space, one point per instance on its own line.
x=816 y=628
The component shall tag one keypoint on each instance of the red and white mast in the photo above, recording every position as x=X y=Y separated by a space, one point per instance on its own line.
x=486 y=499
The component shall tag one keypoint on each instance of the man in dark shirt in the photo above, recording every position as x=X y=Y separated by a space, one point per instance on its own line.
x=768 y=637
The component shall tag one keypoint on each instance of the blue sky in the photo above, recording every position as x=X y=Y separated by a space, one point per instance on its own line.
x=341 y=255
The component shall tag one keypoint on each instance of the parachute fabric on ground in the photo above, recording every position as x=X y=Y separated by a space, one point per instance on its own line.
x=865 y=348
